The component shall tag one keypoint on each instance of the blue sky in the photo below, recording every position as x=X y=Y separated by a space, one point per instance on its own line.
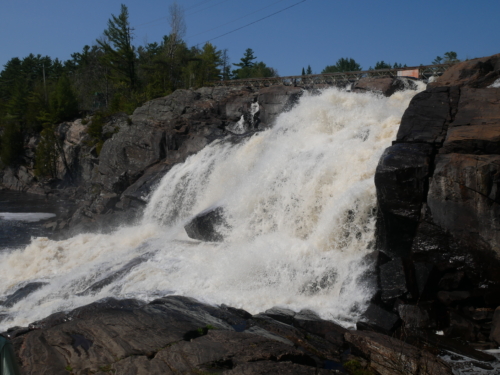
x=315 y=32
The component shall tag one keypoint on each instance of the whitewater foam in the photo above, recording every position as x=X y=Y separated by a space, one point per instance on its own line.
x=300 y=203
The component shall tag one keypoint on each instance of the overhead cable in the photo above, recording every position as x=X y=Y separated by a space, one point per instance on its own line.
x=237 y=19
x=254 y=22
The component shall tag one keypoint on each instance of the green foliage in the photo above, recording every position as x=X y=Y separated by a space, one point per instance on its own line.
x=343 y=65
x=37 y=92
x=247 y=60
x=449 y=57
x=11 y=144
x=396 y=65
x=259 y=70
x=382 y=65
x=119 y=54
x=204 y=330
x=309 y=70
x=46 y=154
x=355 y=368
x=210 y=59
x=96 y=129
x=63 y=103
x=250 y=69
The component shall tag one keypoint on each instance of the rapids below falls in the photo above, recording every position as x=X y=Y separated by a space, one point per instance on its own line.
x=300 y=202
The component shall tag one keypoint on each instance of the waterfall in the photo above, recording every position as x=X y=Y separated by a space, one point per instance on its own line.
x=299 y=201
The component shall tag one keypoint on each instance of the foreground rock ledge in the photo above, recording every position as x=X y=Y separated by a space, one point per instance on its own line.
x=179 y=335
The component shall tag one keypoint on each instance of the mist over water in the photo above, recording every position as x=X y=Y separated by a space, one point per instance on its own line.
x=299 y=201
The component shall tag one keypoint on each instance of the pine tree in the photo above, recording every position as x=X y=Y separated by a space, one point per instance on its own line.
x=63 y=104
x=309 y=70
x=343 y=65
x=303 y=72
x=247 y=59
x=118 y=49
x=382 y=65
x=210 y=60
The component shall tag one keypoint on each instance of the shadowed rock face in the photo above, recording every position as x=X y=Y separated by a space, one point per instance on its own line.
x=437 y=190
x=179 y=335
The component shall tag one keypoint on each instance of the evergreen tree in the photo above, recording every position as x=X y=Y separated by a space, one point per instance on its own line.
x=46 y=154
x=210 y=60
x=309 y=70
x=449 y=57
x=343 y=65
x=247 y=60
x=382 y=65
x=303 y=72
x=64 y=104
x=119 y=54
x=250 y=69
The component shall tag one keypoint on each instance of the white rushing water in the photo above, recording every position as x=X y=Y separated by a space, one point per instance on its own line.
x=299 y=199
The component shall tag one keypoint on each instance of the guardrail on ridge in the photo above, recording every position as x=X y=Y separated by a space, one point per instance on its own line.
x=424 y=72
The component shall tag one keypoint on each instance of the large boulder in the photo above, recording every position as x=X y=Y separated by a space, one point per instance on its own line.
x=426 y=118
x=382 y=85
x=208 y=225
x=389 y=356
x=166 y=108
x=275 y=100
x=480 y=72
x=401 y=179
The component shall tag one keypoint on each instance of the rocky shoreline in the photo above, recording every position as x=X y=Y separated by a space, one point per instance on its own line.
x=437 y=242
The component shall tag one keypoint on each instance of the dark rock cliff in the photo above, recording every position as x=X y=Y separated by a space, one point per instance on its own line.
x=437 y=188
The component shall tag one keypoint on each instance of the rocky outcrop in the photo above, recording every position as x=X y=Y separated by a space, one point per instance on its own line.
x=438 y=206
x=275 y=100
x=141 y=149
x=383 y=85
x=388 y=355
x=173 y=335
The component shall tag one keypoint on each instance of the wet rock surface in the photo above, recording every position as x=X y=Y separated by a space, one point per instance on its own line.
x=382 y=85
x=207 y=226
x=180 y=335
x=438 y=214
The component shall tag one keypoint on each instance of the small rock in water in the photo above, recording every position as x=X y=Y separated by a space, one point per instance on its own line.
x=204 y=226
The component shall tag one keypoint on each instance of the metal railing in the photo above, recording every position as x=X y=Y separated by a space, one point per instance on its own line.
x=424 y=72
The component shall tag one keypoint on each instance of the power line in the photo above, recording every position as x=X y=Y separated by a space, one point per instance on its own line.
x=254 y=22
x=194 y=6
x=237 y=19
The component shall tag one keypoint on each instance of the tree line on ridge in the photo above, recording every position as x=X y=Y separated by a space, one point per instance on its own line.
x=37 y=92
